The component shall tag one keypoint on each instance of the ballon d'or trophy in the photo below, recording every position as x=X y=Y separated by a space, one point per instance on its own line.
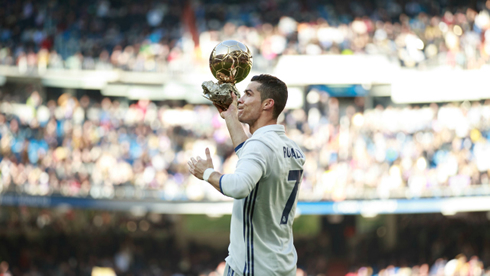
x=230 y=62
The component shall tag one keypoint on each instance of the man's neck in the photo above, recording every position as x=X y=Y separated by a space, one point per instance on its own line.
x=261 y=123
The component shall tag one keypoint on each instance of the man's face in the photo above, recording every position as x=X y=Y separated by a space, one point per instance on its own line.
x=250 y=105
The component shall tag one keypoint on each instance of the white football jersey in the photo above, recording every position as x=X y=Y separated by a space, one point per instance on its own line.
x=265 y=187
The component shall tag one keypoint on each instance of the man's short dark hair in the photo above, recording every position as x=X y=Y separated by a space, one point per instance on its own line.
x=272 y=88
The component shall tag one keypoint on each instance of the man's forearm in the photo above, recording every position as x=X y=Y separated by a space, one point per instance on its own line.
x=235 y=128
x=214 y=180
x=241 y=183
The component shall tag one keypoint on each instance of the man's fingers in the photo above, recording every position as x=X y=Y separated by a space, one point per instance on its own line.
x=208 y=154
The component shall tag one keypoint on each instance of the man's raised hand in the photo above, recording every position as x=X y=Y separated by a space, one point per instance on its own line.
x=197 y=165
x=232 y=109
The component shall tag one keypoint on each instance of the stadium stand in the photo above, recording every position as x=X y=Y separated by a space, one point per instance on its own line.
x=72 y=242
x=82 y=145
x=392 y=152
x=147 y=36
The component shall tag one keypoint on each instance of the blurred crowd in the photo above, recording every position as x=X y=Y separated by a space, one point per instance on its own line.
x=65 y=242
x=111 y=148
x=82 y=148
x=74 y=242
x=412 y=151
x=427 y=245
x=460 y=265
x=176 y=36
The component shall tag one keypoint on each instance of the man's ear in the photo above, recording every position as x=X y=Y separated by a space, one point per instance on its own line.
x=268 y=104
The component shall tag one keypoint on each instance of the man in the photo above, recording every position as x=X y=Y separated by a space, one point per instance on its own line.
x=264 y=185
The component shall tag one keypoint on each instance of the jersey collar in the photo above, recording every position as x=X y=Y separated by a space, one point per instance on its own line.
x=276 y=128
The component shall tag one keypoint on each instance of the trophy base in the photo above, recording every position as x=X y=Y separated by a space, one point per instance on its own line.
x=219 y=93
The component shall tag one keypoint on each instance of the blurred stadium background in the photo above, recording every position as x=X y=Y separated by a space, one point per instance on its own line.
x=101 y=107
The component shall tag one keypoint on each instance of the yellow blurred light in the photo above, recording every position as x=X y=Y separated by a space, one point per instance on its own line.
x=431 y=50
x=457 y=30
x=395 y=170
x=487 y=49
x=421 y=163
x=103 y=271
x=475 y=135
x=60 y=153
x=358 y=120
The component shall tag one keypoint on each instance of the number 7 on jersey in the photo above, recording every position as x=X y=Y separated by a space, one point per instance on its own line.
x=294 y=175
